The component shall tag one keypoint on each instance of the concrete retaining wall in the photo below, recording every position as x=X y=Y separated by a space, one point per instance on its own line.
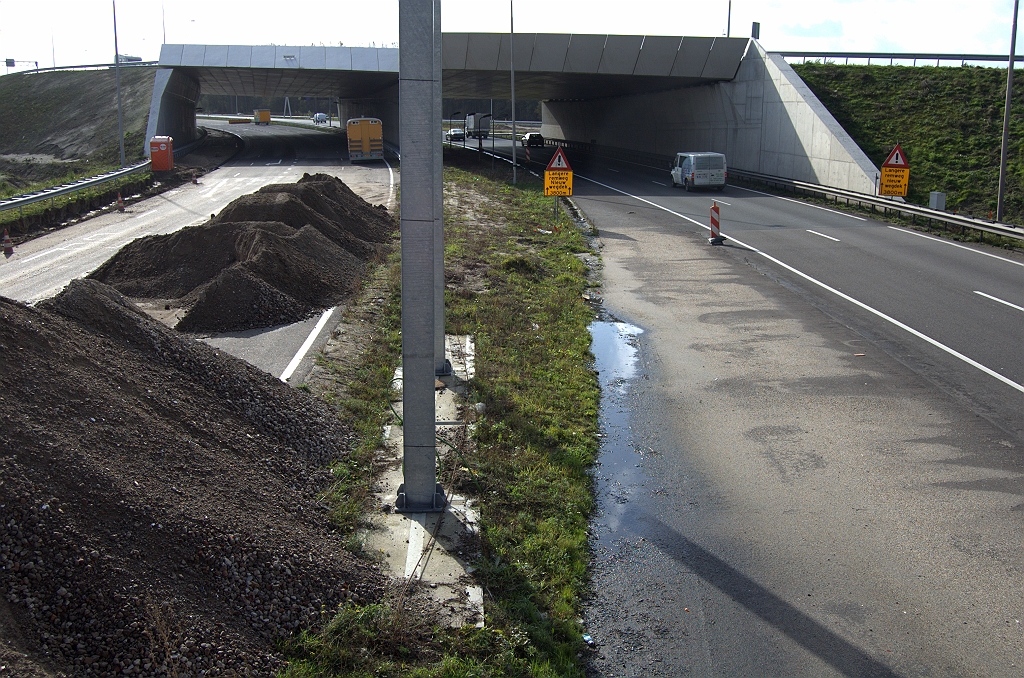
x=765 y=120
x=172 y=110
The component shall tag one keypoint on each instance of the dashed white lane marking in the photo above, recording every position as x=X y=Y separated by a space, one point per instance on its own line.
x=953 y=244
x=1001 y=301
x=659 y=183
x=613 y=170
x=722 y=202
x=412 y=555
x=920 y=335
x=294 y=364
x=823 y=235
x=801 y=202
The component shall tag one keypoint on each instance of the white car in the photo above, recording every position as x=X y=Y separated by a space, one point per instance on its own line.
x=455 y=134
x=319 y=118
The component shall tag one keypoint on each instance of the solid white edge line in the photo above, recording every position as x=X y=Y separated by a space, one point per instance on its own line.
x=801 y=202
x=947 y=242
x=1001 y=301
x=391 y=182
x=417 y=522
x=861 y=304
x=294 y=364
x=823 y=235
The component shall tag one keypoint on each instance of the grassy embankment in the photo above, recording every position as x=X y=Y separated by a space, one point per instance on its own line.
x=518 y=291
x=948 y=121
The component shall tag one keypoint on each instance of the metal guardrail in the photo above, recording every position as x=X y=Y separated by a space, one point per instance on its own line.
x=662 y=162
x=86 y=67
x=902 y=56
x=50 y=193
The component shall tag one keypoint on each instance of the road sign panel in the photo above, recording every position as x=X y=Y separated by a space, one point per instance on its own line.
x=559 y=161
x=558 y=182
x=894 y=181
x=897 y=158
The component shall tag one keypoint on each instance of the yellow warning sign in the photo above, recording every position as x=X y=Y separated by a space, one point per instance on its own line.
x=894 y=181
x=558 y=182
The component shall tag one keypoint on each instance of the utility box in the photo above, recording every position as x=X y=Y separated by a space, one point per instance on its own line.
x=937 y=200
x=161 y=153
x=261 y=116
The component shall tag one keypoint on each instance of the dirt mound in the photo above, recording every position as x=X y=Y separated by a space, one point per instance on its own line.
x=268 y=258
x=159 y=506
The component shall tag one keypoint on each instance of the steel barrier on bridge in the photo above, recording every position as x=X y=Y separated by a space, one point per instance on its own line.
x=50 y=193
x=878 y=203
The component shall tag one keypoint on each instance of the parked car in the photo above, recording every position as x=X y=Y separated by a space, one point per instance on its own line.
x=699 y=170
x=455 y=134
x=532 y=139
x=319 y=118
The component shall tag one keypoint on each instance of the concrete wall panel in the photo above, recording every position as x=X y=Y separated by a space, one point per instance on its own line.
x=387 y=59
x=724 y=57
x=171 y=54
x=313 y=57
x=216 y=55
x=193 y=55
x=524 y=52
x=364 y=59
x=657 y=55
x=620 y=54
x=264 y=56
x=584 y=54
x=339 y=58
x=453 y=50
x=239 y=56
x=691 y=57
x=549 y=51
x=287 y=57
x=482 y=51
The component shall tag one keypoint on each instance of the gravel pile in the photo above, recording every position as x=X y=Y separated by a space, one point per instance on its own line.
x=269 y=258
x=159 y=508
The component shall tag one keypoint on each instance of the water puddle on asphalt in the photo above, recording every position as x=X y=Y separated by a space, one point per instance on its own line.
x=618 y=472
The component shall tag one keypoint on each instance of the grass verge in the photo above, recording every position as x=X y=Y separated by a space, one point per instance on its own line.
x=515 y=283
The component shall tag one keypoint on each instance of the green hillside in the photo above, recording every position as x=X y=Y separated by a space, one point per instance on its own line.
x=949 y=122
x=63 y=124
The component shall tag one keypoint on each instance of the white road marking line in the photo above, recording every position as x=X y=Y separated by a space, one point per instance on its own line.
x=213 y=189
x=294 y=364
x=391 y=182
x=823 y=235
x=1001 y=301
x=861 y=304
x=139 y=216
x=722 y=202
x=801 y=202
x=659 y=183
x=412 y=555
x=274 y=163
x=236 y=174
x=947 y=242
x=614 y=170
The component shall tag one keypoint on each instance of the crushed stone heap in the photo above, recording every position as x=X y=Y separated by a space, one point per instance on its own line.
x=269 y=258
x=159 y=509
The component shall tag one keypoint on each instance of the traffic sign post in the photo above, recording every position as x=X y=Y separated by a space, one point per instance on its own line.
x=895 y=174
x=558 y=178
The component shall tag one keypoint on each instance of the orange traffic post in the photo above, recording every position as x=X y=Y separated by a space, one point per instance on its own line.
x=716 y=234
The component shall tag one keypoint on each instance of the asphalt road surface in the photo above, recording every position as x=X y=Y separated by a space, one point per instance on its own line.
x=40 y=268
x=814 y=466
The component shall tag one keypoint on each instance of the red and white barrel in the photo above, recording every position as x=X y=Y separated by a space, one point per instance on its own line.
x=716 y=233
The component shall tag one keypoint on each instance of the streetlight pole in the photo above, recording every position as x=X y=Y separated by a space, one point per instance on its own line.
x=512 y=70
x=1006 y=114
x=117 y=83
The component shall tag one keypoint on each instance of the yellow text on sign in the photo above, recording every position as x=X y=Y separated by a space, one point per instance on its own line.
x=558 y=182
x=894 y=181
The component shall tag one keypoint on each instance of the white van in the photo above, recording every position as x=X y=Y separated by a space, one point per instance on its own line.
x=699 y=169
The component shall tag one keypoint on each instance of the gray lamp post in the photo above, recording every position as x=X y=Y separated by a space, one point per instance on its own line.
x=1006 y=114
x=117 y=83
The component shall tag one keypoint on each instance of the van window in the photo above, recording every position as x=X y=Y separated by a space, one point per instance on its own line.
x=702 y=162
x=717 y=162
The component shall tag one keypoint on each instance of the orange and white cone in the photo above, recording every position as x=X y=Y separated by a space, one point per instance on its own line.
x=716 y=234
x=8 y=245
x=194 y=180
x=120 y=202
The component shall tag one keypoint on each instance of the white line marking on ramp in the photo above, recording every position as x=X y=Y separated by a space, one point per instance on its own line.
x=920 y=335
x=1001 y=301
x=946 y=242
x=294 y=364
x=659 y=183
x=823 y=235
x=801 y=202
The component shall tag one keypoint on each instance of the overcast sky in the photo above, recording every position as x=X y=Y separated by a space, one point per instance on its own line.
x=72 y=32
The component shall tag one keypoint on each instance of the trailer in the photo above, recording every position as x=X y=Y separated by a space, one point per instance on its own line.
x=365 y=139
x=478 y=126
x=261 y=116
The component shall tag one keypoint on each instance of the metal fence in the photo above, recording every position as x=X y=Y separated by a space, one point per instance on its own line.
x=879 y=203
x=892 y=57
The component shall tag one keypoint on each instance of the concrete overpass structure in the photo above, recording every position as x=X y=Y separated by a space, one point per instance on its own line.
x=655 y=94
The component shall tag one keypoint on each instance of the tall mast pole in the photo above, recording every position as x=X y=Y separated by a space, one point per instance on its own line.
x=1006 y=114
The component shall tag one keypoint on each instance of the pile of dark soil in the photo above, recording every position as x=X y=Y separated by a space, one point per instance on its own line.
x=269 y=258
x=159 y=508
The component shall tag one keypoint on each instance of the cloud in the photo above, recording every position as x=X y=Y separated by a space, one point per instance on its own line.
x=825 y=29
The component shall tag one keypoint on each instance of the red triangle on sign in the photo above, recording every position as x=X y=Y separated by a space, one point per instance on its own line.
x=897 y=158
x=559 y=161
